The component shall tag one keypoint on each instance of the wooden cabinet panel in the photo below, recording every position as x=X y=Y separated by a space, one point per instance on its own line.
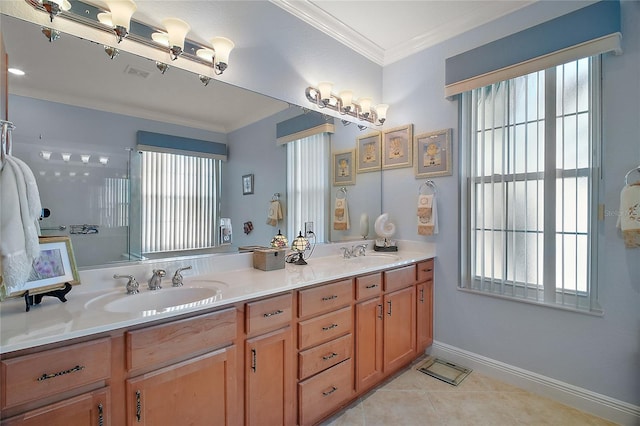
x=399 y=328
x=88 y=409
x=269 y=379
x=323 y=356
x=399 y=278
x=269 y=314
x=325 y=298
x=33 y=377
x=368 y=351
x=199 y=391
x=425 y=270
x=325 y=392
x=179 y=339
x=424 y=316
x=368 y=286
x=325 y=327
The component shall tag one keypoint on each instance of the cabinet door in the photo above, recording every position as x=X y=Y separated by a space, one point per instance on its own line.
x=88 y=409
x=399 y=328
x=199 y=391
x=424 y=316
x=269 y=379
x=369 y=317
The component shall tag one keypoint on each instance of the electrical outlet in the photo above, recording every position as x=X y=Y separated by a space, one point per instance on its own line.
x=308 y=228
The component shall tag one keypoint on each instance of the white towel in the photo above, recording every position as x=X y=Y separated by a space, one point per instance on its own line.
x=629 y=219
x=427 y=215
x=275 y=213
x=20 y=211
x=341 y=215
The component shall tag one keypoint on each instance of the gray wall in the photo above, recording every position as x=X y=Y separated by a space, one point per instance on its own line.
x=600 y=354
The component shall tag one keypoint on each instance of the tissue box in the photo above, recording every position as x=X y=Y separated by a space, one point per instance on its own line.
x=269 y=259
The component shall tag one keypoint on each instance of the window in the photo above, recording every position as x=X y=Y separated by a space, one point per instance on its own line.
x=529 y=155
x=308 y=172
x=179 y=201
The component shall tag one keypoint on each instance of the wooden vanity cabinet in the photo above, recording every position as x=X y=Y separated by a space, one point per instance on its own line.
x=269 y=362
x=368 y=331
x=184 y=372
x=424 y=306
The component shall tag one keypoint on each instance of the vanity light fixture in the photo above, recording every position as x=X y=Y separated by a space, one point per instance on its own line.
x=103 y=160
x=45 y=155
x=119 y=16
x=177 y=30
x=54 y=7
x=51 y=34
x=344 y=104
x=219 y=55
x=85 y=158
x=66 y=157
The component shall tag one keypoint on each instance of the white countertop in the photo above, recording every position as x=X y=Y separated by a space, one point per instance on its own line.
x=233 y=275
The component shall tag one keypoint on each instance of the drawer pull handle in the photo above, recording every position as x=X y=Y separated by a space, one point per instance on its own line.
x=100 y=415
x=329 y=392
x=138 y=406
x=46 y=376
x=254 y=361
x=371 y=286
x=328 y=357
x=325 y=298
x=422 y=295
x=270 y=314
x=389 y=312
x=329 y=327
x=381 y=310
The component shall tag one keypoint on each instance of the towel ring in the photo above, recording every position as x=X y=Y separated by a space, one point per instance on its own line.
x=429 y=184
x=275 y=197
x=626 y=177
x=342 y=191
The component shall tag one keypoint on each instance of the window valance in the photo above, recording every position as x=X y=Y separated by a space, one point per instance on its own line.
x=303 y=126
x=148 y=141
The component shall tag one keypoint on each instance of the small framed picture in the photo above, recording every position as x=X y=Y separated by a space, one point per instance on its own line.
x=247 y=184
x=343 y=171
x=432 y=153
x=54 y=267
x=368 y=153
x=397 y=145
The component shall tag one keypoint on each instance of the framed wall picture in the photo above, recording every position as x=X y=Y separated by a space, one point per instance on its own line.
x=397 y=145
x=55 y=266
x=368 y=153
x=343 y=171
x=247 y=184
x=433 y=154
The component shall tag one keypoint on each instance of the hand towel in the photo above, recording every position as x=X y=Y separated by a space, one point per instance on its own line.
x=275 y=213
x=629 y=219
x=341 y=221
x=20 y=211
x=428 y=221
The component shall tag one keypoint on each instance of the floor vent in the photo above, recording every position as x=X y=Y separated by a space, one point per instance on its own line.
x=444 y=370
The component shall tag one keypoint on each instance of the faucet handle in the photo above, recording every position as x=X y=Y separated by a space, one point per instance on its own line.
x=132 y=285
x=346 y=252
x=176 y=281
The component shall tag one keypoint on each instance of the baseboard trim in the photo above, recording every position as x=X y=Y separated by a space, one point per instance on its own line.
x=597 y=404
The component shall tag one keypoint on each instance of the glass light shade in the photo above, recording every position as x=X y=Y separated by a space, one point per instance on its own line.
x=105 y=19
x=121 y=12
x=45 y=154
x=161 y=38
x=381 y=111
x=104 y=160
x=300 y=243
x=365 y=105
x=177 y=30
x=206 y=54
x=62 y=4
x=66 y=156
x=347 y=99
x=85 y=158
x=279 y=241
x=324 y=87
x=223 y=47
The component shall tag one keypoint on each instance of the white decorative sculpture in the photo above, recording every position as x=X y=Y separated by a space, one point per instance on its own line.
x=385 y=230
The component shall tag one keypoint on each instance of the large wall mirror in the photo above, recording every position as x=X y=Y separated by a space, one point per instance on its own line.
x=77 y=113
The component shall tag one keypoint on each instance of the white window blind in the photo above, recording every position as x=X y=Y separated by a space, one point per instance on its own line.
x=308 y=173
x=179 y=201
x=529 y=164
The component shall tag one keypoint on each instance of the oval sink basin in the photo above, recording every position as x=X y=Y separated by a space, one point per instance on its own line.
x=374 y=259
x=156 y=302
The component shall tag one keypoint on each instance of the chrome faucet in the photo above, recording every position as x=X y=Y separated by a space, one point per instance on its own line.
x=176 y=281
x=354 y=251
x=132 y=285
x=156 y=279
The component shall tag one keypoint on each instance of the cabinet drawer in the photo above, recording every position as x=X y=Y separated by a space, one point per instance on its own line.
x=323 y=393
x=162 y=343
x=425 y=270
x=399 y=278
x=324 y=356
x=368 y=286
x=268 y=314
x=32 y=377
x=324 y=298
x=324 y=328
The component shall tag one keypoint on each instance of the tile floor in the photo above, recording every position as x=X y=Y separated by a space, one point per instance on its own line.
x=413 y=398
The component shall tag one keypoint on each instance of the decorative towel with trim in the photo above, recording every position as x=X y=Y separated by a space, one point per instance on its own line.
x=341 y=215
x=275 y=213
x=20 y=211
x=629 y=219
x=427 y=215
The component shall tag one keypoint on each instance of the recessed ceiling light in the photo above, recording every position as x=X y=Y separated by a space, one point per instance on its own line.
x=15 y=71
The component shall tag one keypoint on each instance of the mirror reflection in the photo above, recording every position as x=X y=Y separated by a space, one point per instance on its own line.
x=78 y=114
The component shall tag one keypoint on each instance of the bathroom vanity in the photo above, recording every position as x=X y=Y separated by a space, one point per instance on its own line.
x=291 y=346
